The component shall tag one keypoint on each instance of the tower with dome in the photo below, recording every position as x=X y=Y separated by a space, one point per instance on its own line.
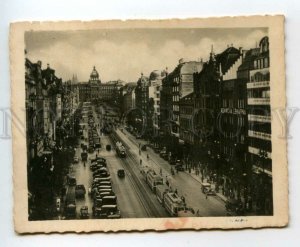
x=94 y=77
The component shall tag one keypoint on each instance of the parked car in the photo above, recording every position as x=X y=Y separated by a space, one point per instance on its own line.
x=108 y=212
x=121 y=173
x=179 y=167
x=71 y=180
x=80 y=191
x=207 y=189
x=84 y=212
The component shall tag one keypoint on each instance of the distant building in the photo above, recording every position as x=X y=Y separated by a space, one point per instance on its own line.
x=155 y=82
x=142 y=104
x=186 y=118
x=94 y=90
x=175 y=86
x=128 y=103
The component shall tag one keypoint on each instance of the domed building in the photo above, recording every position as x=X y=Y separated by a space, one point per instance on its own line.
x=94 y=77
x=154 y=75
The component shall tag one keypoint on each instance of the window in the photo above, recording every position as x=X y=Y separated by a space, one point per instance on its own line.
x=266 y=62
x=266 y=94
x=255 y=64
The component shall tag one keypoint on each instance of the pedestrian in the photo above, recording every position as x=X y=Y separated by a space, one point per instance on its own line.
x=147 y=156
x=198 y=213
x=141 y=161
x=175 y=191
x=206 y=196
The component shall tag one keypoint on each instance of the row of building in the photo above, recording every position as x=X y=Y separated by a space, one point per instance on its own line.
x=94 y=90
x=214 y=114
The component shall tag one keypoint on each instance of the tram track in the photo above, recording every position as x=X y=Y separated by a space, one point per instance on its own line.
x=138 y=186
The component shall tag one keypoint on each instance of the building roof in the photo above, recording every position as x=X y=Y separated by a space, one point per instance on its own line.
x=94 y=74
x=227 y=58
x=154 y=75
x=129 y=87
x=143 y=81
x=189 y=67
x=248 y=59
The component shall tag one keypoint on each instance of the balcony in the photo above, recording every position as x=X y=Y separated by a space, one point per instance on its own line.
x=259 y=135
x=258 y=101
x=254 y=150
x=259 y=118
x=258 y=84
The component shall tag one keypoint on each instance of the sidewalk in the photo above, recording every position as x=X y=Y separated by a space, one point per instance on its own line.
x=194 y=176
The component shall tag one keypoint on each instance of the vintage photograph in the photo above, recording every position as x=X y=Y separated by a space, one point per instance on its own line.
x=150 y=122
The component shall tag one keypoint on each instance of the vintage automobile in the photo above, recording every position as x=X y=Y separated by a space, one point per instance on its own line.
x=207 y=189
x=80 y=191
x=84 y=212
x=108 y=147
x=121 y=173
x=71 y=180
x=107 y=212
x=179 y=167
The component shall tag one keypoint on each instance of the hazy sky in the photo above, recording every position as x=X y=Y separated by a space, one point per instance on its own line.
x=125 y=53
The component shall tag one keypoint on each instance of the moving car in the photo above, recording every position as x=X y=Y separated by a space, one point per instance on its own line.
x=121 y=173
x=108 y=147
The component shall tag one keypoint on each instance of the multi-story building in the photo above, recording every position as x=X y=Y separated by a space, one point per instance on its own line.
x=155 y=82
x=207 y=92
x=142 y=104
x=176 y=85
x=232 y=126
x=128 y=92
x=186 y=117
x=110 y=91
x=259 y=127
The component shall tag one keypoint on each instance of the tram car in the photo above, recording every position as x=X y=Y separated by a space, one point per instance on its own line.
x=120 y=149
